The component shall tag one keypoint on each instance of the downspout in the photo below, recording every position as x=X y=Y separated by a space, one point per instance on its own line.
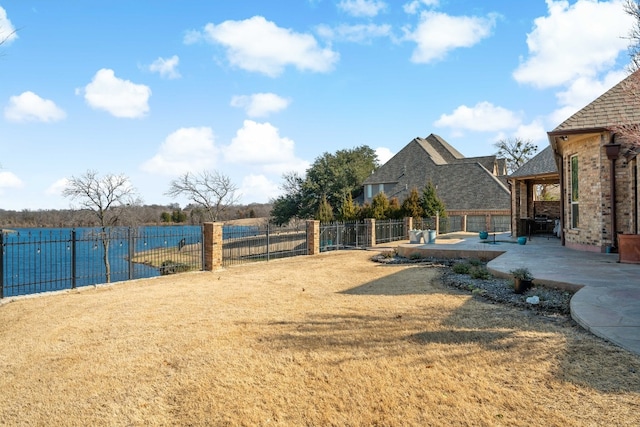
x=560 y=161
x=613 y=150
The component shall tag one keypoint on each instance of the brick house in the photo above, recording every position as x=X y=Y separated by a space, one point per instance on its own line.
x=471 y=187
x=598 y=170
x=531 y=214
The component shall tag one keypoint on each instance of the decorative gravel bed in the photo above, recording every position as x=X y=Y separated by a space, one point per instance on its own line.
x=480 y=283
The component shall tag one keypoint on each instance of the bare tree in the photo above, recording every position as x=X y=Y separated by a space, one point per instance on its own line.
x=213 y=191
x=5 y=38
x=515 y=151
x=107 y=197
x=632 y=8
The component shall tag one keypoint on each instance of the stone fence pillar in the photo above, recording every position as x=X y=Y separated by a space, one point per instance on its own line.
x=313 y=237
x=408 y=225
x=212 y=245
x=371 y=230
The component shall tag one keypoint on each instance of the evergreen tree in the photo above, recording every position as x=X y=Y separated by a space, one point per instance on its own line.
x=430 y=202
x=394 y=211
x=348 y=210
x=411 y=207
x=379 y=206
x=325 y=211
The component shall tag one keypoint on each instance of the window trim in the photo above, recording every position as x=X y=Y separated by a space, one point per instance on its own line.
x=574 y=185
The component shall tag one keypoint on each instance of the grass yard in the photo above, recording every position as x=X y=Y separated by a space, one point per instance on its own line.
x=333 y=339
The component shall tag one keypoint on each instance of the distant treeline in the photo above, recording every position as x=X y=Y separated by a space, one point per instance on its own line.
x=133 y=215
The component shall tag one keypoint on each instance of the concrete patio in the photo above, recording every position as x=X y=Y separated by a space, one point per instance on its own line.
x=607 y=301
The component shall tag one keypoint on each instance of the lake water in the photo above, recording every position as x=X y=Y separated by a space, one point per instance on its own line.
x=44 y=259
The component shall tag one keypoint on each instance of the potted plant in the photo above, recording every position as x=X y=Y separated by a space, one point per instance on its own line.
x=522 y=279
x=484 y=235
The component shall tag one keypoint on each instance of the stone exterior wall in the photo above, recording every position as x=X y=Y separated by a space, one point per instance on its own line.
x=549 y=208
x=594 y=232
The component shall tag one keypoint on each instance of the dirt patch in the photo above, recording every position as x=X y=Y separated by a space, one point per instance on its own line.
x=333 y=339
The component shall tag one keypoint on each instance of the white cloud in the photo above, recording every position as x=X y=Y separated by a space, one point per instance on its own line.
x=260 y=104
x=120 y=98
x=258 y=45
x=167 y=68
x=483 y=117
x=258 y=189
x=384 y=155
x=414 y=6
x=261 y=144
x=578 y=40
x=438 y=33
x=367 y=8
x=185 y=150
x=354 y=33
x=57 y=187
x=7 y=30
x=29 y=107
x=9 y=180
x=534 y=131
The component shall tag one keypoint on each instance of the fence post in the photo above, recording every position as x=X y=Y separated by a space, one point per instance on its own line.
x=313 y=237
x=1 y=263
x=268 y=242
x=437 y=223
x=408 y=225
x=371 y=230
x=131 y=252
x=212 y=242
x=73 y=258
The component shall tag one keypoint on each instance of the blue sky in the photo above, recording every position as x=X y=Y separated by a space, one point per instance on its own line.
x=156 y=88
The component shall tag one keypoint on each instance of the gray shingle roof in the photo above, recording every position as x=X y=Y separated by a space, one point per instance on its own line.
x=616 y=106
x=462 y=183
x=542 y=163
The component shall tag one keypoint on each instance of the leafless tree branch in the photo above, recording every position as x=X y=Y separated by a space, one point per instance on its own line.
x=213 y=191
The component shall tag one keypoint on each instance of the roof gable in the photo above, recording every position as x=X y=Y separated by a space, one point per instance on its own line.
x=618 y=105
x=463 y=183
x=542 y=163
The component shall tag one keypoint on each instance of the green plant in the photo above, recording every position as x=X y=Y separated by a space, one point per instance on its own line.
x=480 y=273
x=461 y=268
x=475 y=262
x=521 y=273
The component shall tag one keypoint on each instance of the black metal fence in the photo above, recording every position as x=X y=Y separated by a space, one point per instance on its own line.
x=390 y=231
x=247 y=244
x=451 y=224
x=344 y=235
x=40 y=260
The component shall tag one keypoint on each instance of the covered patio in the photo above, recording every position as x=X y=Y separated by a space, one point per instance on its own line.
x=535 y=197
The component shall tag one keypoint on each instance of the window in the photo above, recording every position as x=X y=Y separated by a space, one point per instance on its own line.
x=369 y=191
x=575 y=212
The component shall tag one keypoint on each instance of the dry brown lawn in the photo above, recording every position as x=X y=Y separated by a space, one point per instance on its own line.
x=327 y=340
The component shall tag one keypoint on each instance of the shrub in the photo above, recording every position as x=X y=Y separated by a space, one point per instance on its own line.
x=461 y=268
x=480 y=273
x=172 y=267
x=475 y=262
